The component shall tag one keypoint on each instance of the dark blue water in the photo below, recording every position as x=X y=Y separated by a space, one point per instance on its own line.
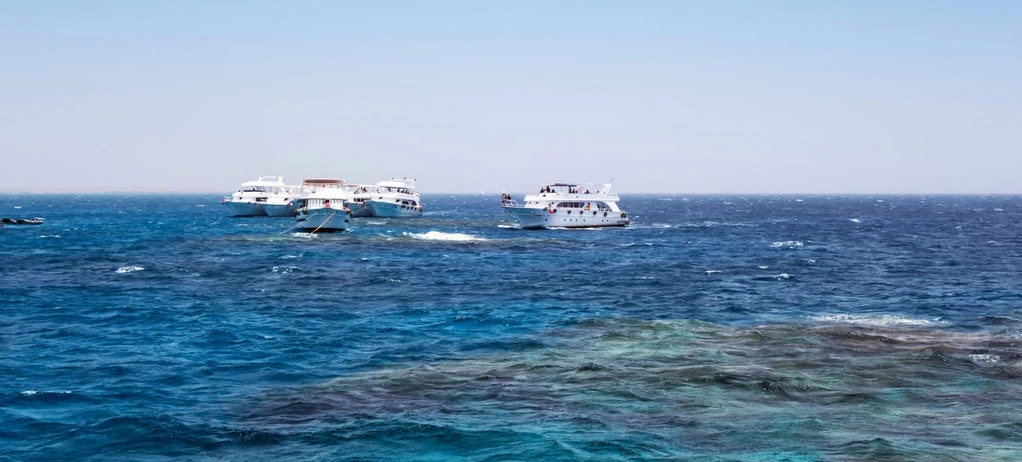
x=714 y=328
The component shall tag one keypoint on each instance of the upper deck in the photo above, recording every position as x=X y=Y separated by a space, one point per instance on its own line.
x=397 y=185
x=266 y=184
x=573 y=191
x=322 y=187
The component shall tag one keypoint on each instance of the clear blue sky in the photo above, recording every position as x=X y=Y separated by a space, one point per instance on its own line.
x=675 y=96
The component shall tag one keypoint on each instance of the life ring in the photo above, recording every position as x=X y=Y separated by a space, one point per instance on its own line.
x=552 y=210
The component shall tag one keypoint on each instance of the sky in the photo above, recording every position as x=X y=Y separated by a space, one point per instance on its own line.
x=662 y=97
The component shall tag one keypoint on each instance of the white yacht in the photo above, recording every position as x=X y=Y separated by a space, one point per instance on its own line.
x=358 y=194
x=321 y=206
x=267 y=196
x=394 y=198
x=563 y=205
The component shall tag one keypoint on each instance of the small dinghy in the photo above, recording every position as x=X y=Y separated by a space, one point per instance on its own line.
x=22 y=221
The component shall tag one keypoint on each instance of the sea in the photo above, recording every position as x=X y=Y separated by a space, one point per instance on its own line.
x=714 y=328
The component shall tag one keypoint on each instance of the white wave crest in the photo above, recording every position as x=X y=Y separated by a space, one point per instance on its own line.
x=439 y=236
x=129 y=269
x=855 y=220
x=36 y=392
x=712 y=271
x=876 y=320
x=787 y=244
x=985 y=359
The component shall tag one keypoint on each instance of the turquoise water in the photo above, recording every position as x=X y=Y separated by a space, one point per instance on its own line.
x=715 y=328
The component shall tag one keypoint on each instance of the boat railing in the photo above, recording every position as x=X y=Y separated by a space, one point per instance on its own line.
x=511 y=203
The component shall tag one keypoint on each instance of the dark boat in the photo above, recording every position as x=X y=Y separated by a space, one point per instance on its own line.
x=22 y=221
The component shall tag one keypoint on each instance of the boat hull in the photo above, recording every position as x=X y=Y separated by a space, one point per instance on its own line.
x=359 y=210
x=391 y=210
x=279 y=210
x=324 y=221
x=534 y=218
x=245 y=209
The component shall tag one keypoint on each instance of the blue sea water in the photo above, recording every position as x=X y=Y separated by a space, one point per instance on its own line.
x=714 y=328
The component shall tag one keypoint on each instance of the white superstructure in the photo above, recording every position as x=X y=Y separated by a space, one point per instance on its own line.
x=564 y=205
x=321 y=206
x=267 y=196
x=394 y=198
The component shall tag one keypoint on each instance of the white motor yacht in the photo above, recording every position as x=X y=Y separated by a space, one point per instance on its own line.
x=358 y=194
x=321 y=206
x=563 y=205
x=394 y=198
x=267 y=196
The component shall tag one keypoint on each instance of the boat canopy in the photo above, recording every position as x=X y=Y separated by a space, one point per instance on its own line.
x=397 y=183
x=593 y=187
x=321 y=181
x=265 y=181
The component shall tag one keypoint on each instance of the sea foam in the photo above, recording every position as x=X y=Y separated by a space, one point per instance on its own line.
x=439 y=236
x=875 y=320
x=129 y=269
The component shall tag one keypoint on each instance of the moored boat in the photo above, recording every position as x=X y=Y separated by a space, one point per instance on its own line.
x=267 y=196
x=564 y=205
x=321 y=206
x=394 y=198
